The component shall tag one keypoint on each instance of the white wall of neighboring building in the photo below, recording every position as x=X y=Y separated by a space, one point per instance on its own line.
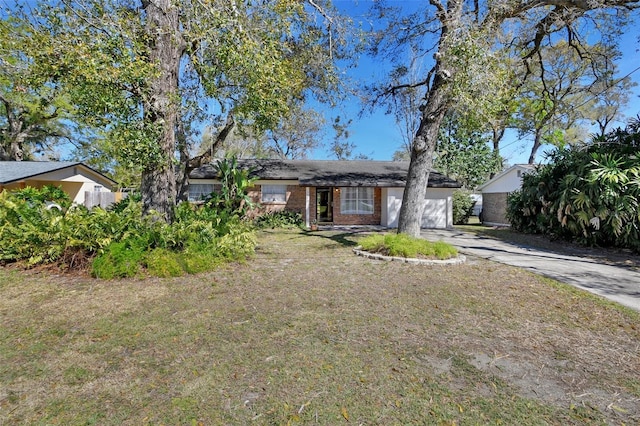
x=508 y=181
x=74 y=181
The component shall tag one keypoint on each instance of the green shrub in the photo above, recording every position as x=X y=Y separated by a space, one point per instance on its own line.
x=121 y=240
x=29 y=231
x=403 y=245
x=131 y=199
x=48 y=193
x=238 y=244
x=587 y=194
x=164 y=263
x=200 y=259
x=281 y=219
x=462 y=206
x=119 y=260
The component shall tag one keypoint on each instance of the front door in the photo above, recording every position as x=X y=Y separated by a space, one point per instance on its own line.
x=324 y=205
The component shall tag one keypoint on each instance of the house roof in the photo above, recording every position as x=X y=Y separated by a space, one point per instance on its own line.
x=524 y=167
x=329 y=173
x=15 y=171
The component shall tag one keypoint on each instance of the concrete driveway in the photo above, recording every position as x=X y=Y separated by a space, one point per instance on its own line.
x=613 y=282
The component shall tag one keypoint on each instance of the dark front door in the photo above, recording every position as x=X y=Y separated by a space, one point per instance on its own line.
x=324 y=205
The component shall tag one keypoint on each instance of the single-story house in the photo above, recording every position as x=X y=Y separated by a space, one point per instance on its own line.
x=496 y=190
x=335 y=192
x=74 y=178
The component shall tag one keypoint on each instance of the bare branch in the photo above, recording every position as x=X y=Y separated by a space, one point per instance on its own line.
x=391 y=90
x=330 y=20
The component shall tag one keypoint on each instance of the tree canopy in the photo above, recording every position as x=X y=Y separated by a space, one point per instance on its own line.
x=140 y=70
x=477 y=48
x=33 y=108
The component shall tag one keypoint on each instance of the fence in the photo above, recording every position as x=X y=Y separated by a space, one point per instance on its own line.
x=102 y=198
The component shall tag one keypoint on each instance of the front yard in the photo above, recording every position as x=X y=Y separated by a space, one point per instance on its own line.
x=309 y=333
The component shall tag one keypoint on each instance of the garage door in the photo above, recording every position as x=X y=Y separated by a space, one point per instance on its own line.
x=435 y=213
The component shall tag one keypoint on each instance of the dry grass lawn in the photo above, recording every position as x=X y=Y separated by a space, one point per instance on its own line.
x=308 y=333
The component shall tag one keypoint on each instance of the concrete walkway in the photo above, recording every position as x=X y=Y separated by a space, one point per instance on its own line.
x=613 y=282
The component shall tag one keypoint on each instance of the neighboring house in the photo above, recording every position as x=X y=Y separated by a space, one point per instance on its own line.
x=495 y=192
x=335 y=192
x=73 y=177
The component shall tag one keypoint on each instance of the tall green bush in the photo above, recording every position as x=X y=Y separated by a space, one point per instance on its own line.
x=588 y=194
x=121 y=241
x=462 y=206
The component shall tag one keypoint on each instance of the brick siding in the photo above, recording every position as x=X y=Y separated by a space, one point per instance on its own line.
x=358 y=219
x=494 y=207
x=296 y=201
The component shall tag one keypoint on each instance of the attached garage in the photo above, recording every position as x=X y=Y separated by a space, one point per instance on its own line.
x=437 y=213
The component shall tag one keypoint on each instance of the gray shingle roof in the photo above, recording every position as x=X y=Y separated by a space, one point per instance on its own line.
x=330 y=173
x=12 y=171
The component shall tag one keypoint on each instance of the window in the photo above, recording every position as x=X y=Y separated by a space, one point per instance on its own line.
x=356 y=200
x=274 y=193
x=199 y=191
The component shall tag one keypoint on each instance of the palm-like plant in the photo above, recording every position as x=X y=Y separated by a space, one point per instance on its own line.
x=589 y=194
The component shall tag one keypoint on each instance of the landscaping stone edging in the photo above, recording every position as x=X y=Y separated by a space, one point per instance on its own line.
x=412 y=261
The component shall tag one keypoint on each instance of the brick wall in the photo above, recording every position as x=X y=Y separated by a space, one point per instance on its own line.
x=296 y=201
x=494 y=208
x=358 y=219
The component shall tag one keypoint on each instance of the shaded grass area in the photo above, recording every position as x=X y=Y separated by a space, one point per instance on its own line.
x=308 y=333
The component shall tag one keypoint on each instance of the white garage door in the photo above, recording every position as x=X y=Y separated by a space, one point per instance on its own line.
x=435 y=213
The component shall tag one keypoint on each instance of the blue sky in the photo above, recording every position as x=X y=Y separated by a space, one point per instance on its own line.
x=377 y=136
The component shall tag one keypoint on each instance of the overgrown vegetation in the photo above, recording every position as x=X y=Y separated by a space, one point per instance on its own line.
x=234 y=184
x=589 y=194
x=403 y=245
x=119 y=242
x=462 y=206
x=280 y=219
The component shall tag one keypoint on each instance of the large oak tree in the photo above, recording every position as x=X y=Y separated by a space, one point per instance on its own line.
x=469 y=41
x=138 y=68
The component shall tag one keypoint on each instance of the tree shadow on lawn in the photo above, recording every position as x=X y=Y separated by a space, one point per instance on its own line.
x=345 y=239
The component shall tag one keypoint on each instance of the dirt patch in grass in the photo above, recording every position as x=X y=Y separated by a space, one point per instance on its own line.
x=307 y=332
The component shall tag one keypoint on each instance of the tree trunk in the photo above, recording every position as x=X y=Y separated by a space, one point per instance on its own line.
x=14 y=143
x=158 y=180
x=497 y=135
x=17 y=153
x=422 y=149
x=536 y=144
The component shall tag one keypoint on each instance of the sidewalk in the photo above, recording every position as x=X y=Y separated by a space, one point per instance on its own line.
x=615 y=283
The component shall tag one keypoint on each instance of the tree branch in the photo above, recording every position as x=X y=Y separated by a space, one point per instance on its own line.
x=391 y=90
x=329 y=19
